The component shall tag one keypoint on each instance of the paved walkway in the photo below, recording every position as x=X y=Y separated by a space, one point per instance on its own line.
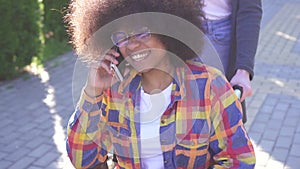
x=34 y=109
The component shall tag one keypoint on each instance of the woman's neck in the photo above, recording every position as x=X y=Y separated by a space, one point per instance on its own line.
x=155 y=80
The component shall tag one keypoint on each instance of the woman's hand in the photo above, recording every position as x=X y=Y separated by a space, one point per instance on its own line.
x=242 y=79
x=100 y=76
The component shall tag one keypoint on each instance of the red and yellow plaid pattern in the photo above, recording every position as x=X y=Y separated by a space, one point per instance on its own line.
x=201 y=128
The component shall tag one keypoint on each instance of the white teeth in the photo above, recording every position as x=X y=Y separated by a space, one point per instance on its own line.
x=139 y=56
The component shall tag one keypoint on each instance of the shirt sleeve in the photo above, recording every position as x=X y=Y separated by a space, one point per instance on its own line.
x=248 y=19
x=88 y=140
x=230 y=146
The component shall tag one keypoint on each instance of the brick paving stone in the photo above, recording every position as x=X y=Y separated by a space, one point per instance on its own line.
x=36 y=142
x=287 y=131
x=45 y=160
x=293 y=162
x=274 y=124
x=20 y=122
x=7 y=131
x=2 y=154
x=31 y=135
x=256 y=103
x=45 y=118
x=53 y=165
x=296 y=138
x=290 y=122
x=40 y=150
x=5 y=123
x=298 y=129
x=17 y=154
x=280 y=154
x=284 y=142
x=255 y=136
x=295 y=150
x=293 y=112
x=35 y=167
x=45 y=125
x=22 y=163
x=27 y=127
x=266 y=109
x=48 y=132
x=5 y=164
x=262 y=117
x=258 y=127
x=34 y=106
x=270 y=102
x=278 y=115
x=13 y=146
x=270 y=134
x=267 y=145
x=282 y=107
x=295 y=106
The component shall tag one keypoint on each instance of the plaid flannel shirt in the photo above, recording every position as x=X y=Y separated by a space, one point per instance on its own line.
x=201 y=128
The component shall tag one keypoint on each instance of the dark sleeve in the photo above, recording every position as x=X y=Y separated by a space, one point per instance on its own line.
x=248 y=19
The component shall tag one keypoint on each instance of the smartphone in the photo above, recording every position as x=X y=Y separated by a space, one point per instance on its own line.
x=115 y=68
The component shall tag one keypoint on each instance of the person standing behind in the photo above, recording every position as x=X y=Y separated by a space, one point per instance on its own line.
x=233 y=27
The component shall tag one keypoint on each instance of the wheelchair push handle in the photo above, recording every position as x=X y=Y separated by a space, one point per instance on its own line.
x=238 y=90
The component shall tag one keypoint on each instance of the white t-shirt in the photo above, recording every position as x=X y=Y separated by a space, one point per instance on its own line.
x=152 y=107
x=216 y=9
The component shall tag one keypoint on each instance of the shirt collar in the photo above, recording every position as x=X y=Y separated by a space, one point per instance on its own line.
x=132 y=83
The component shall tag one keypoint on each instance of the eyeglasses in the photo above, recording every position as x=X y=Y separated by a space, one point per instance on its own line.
x=121 y=39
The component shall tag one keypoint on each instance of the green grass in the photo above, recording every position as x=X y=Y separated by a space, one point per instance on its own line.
x=9 y=87
x=54 y=48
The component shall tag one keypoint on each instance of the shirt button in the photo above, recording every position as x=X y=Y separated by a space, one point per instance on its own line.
x=88 y=105
x=165 y=161
x=164 y=141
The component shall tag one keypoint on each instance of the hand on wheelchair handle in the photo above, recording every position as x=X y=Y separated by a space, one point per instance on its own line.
x=238 y=90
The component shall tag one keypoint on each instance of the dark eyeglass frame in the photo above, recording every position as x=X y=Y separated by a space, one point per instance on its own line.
x=122 y=39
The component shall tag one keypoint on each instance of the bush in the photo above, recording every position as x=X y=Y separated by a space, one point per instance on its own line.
x=54 y=30
x=20 y=31
x=30 y=30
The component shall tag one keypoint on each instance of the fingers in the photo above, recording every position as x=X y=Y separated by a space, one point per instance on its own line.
x=104 y=61
x=111 y=56
x=242 y=79
x=247 y=91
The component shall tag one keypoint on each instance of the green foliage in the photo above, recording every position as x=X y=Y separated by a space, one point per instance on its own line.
x=54 y=30
x=30 y=29
x=53 y=19
x=20 y=35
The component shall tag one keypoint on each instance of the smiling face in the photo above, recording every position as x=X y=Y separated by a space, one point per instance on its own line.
x=143 y=50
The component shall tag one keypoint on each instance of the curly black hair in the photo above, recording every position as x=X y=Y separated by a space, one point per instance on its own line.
x=86 y=17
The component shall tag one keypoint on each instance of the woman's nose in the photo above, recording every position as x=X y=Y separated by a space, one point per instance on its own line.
x=133 y=43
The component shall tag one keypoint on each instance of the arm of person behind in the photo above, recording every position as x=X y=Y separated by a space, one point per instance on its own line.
x=248 y=19
x=88 y=140
x=230 y=146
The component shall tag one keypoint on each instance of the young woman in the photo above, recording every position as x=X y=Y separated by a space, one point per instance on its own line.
x=168 y=111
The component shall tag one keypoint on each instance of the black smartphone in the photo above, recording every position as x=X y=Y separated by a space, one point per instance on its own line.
x=118 y=69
